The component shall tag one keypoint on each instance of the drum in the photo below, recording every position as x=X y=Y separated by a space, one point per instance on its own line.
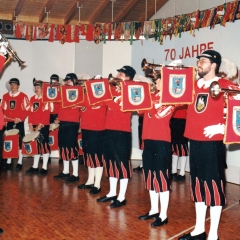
x=53 y=136
x=11 y=144
x=30 y=143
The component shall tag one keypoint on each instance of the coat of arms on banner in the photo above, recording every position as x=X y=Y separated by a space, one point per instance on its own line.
x=232 y=129
x=72 y=95
x=136 y=94
x=28 y=148
x=51 y=140
x=98 y=89
x=7 y=146
x=52 y=92
x=177 y=85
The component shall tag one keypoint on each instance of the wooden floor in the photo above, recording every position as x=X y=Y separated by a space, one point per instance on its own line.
x=36 y=207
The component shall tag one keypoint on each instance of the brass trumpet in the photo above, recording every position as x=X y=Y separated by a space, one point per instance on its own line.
x=215 y=89
x=12 y=55
x=114 y=81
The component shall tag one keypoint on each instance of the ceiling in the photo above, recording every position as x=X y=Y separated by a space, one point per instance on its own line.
x=67 y=11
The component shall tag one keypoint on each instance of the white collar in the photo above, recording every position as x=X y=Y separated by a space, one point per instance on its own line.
x=14 y=94
x=37 y=97
x=206 y=83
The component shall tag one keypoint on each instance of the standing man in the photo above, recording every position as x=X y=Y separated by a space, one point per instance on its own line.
x=68 y=119
x=117 y=142
x=15 y=105
x=205 y=129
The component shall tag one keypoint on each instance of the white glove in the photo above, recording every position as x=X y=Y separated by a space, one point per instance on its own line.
x=213 y=130
x=3 y=47
x=98 y=76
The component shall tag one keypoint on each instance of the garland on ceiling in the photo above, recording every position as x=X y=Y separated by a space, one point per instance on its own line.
x=158 y=29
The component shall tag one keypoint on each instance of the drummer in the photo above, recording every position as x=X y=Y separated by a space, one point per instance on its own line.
x=38 y=120
x=15 y=105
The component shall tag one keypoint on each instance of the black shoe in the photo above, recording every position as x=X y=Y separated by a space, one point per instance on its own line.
x=1 y=231
x=147 y=216
x=137 y=168
x=60 y=161
x=43 y=172
x=173 y=176
x=158 y=222
x=95 y=190
x=49 y=160
x=32 y=170
x=7 y=166
x=84 y=186
x=72 y=179
x=188 y=236
x=116 y=203
x=106 y=199
x=180 y=178
x=19 y=167
x=62 y=176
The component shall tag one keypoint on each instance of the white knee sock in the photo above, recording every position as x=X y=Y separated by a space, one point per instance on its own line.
x=45 y=160
x=91 y=173
x=154 y=196
x=36 y=161
x=20 y=157
x=98 y=176
x=9 y=160
x=123 y=189
x=174 y=163
x=113 y=187
x=164 y=200
x=201 y=209
x=183 y=161
x=75 y=167
x=215 y=214
x=65 y=167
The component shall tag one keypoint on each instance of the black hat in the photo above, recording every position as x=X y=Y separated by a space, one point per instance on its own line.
x=214 y=56
x=70 y=76
x=37 y=83
x=54 y=77
x=14 y=80
x=129 y=71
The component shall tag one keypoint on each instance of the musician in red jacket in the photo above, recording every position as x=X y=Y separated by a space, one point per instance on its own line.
x=15 y=105
x=68 y=119
x=205 y=129
x=38 y=120
x=118 y=145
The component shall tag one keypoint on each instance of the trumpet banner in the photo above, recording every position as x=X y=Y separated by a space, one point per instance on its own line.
x=177 y=86
x=71 y=95
x=51 y=94
x=98 y=90
x=53 y=140
x=135 y=96
x=10 y=146
x=232 y=131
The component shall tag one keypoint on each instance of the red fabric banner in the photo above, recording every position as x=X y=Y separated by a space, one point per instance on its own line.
x=177 y=86
x=80 y=151
x=53 y=140
x=51 y=94
x=30 y=148
x=232 y=130
x=98 y=90
x=10 y=146
x=71 y=95
x=135 y=96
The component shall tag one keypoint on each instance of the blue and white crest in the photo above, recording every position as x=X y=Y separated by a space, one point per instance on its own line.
x=177 y=85
x=72 y=95
x=236 y=120
x=28 y=147
x=80 y=143
x=136 y=94
x=51 y=140
x=52 y=92
x=7 y=145
x=98 y=89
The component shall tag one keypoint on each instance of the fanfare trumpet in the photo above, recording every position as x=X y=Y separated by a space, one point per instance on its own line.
x=12 y=55
x=215 y=90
